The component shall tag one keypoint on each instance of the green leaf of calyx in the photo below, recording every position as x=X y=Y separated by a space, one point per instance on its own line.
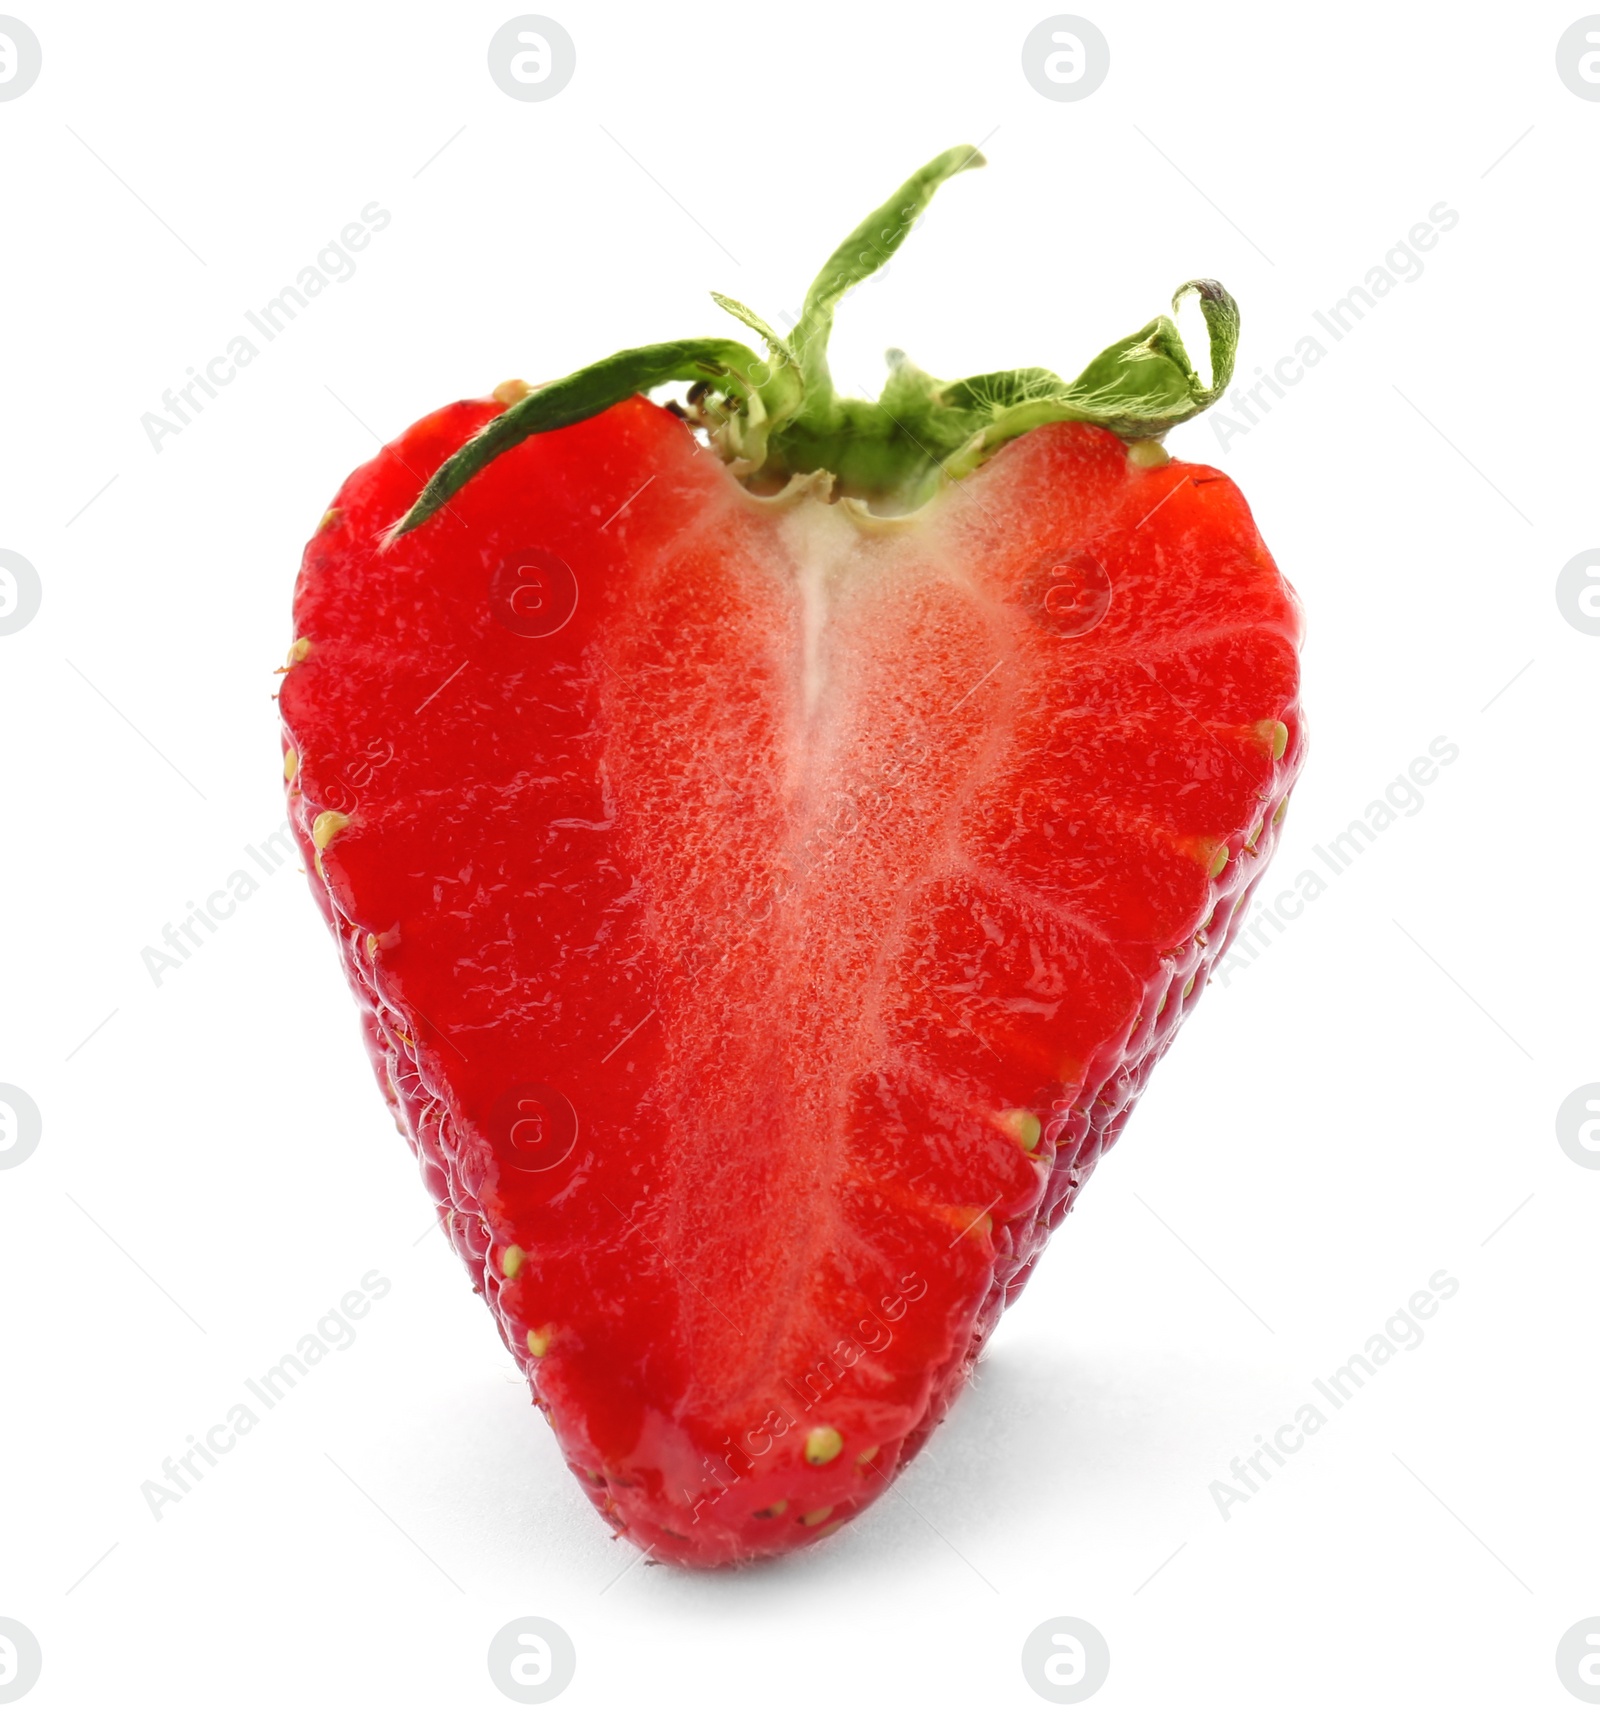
x=582 y=395
x=1138 y=388
x=873 y=242
x=778 y=417
x=781 y=383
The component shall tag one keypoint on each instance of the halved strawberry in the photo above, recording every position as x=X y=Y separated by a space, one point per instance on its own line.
x=771 y=845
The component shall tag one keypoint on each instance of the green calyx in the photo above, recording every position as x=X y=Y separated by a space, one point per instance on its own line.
x=775 y=417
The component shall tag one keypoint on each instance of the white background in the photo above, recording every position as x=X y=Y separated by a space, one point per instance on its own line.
x=1363 y=1105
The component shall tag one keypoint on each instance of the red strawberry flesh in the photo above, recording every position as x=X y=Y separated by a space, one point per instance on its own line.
x=759 y=962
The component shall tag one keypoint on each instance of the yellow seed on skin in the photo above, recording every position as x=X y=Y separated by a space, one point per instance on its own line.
x=1283 y=807
x=511 y=1261
x=291 y=764
x=328 y=519
x=814 y=1517
x=1147 y=452
x=1274 y=736
x=1188 y=986
x=300 y=650
x=511 y=391
x=1219 y=860
x=538 y=1340
x=325 y=827
x=823 y=1445
x=1255 y=835
x=775 y=1510
x=867 y=1454
x=372 y=944
x=1023 y=1127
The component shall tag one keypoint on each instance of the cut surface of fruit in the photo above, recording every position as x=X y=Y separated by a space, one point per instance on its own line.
x=765 y=913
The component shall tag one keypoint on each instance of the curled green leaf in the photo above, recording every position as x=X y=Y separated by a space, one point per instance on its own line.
x=1139 y=387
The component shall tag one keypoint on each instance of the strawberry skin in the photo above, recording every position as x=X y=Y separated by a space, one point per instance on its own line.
x=764 y=914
